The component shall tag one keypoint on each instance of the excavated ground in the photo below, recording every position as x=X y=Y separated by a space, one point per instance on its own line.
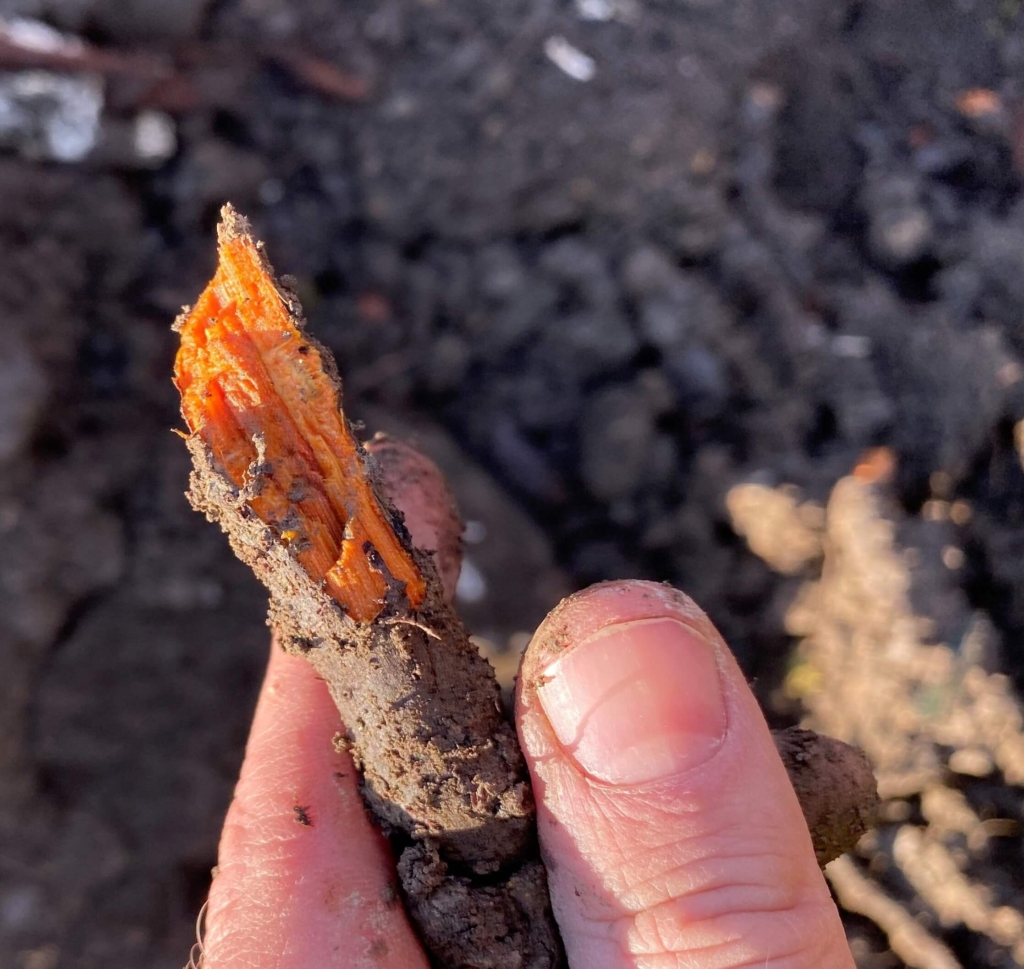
x=746 y=242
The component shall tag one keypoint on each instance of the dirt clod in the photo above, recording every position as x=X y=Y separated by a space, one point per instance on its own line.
x=836 y=788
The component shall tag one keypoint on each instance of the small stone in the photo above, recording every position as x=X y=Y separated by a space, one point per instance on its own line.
x=698 y=227
x=595 y=342
x=575 y=264
x=659 y=391
x=649 y=270
x=156 y=138
x=501 y=272
x=523 y=464
x=383 y=263
x=959 y=288
x=662 y=323
x=522 y=314
x=545 y=395
x=943 y=156
x=47 y=116
x=617 y=433
x=579 y=66
x=700 y=380
x=448 y=363
x=671 y=316
x=19 y=905
x=661 y=464
x=997 y=248
x=472 y=586
x=23 y=390
x=900 y=227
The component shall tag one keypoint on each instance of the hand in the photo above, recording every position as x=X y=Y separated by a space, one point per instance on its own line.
x=670 y=831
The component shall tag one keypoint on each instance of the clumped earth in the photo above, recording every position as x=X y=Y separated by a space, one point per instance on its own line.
x=760 y=239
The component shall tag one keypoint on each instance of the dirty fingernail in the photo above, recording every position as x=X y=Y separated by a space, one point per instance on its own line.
x=636 y=702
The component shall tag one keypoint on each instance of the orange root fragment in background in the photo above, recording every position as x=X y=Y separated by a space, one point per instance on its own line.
x=255 y=390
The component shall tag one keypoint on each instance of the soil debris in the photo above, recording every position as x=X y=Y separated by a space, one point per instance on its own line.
x=887 y=609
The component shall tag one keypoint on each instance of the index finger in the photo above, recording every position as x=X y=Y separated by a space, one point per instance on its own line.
x=304 y=878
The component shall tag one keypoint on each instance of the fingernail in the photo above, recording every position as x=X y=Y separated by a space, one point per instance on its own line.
x=637 y=702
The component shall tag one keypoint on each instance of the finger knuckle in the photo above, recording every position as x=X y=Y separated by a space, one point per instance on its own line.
x=740 y=935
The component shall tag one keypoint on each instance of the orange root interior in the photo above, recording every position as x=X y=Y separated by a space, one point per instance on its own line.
x=245 y=372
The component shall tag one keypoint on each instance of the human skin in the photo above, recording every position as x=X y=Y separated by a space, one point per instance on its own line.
x=670 y=831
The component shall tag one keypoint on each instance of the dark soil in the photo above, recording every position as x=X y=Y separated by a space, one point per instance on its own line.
x=761 y=239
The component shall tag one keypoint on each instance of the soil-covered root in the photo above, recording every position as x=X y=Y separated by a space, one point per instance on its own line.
x=277 y=466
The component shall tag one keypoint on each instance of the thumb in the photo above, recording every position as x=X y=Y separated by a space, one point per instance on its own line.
x=669 y=827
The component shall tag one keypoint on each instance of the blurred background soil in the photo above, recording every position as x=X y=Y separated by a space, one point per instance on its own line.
x=727 y=293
